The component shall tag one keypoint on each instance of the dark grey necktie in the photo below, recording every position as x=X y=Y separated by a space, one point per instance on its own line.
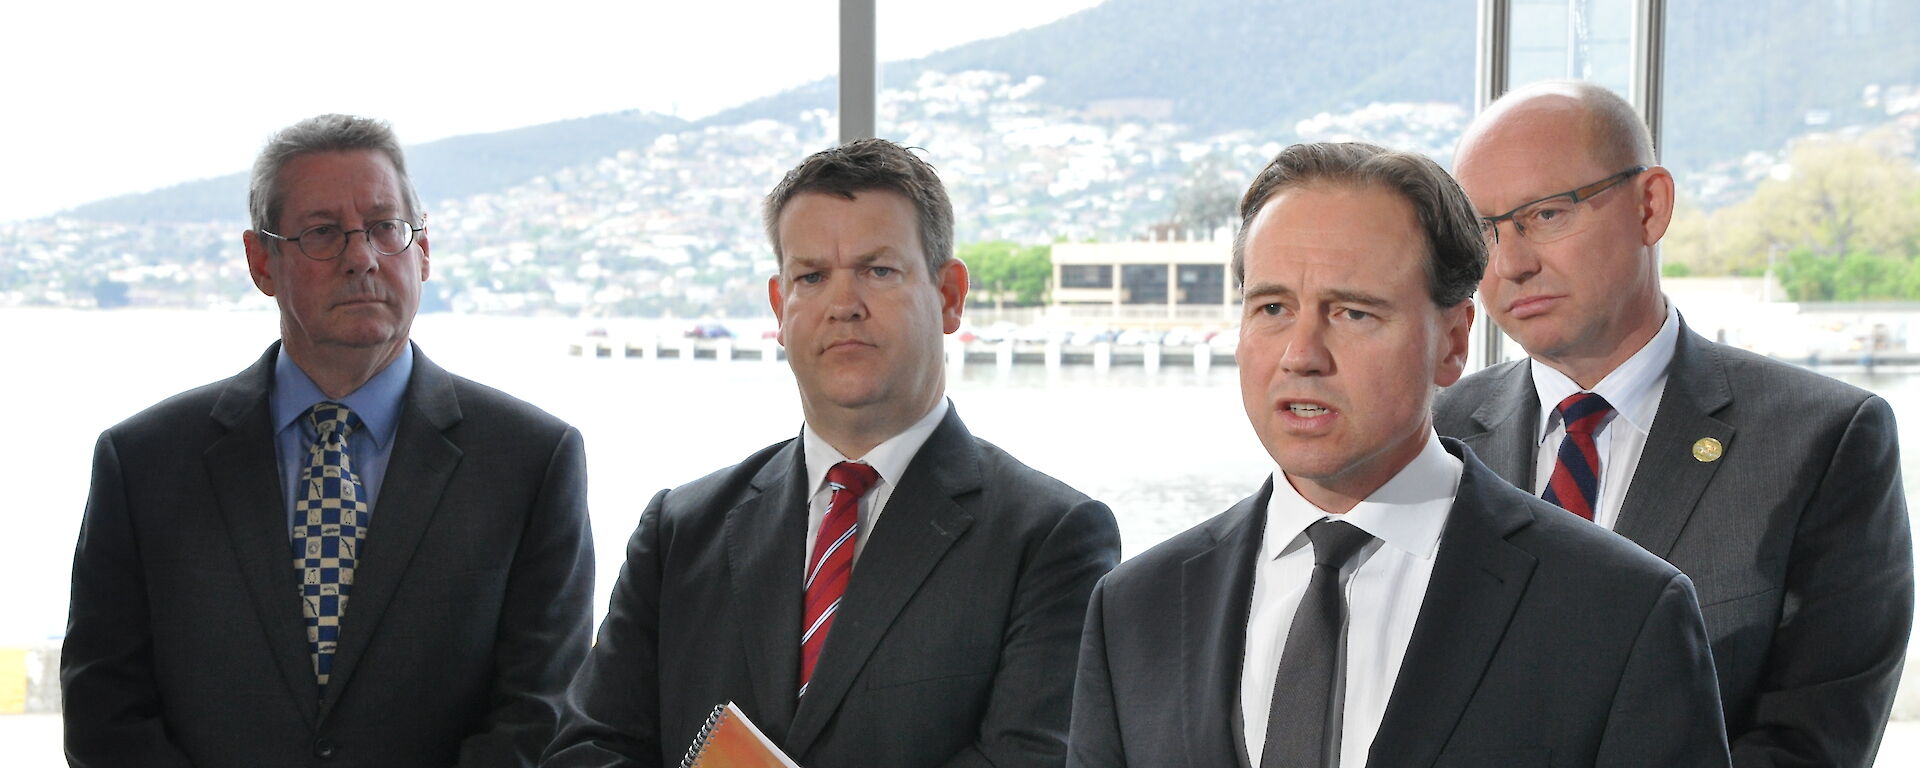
x=1302 y=725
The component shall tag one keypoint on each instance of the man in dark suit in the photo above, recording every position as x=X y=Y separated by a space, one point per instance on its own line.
x=883 y=590
x=1775 y=489
x=1384 y=600
x=343 y=555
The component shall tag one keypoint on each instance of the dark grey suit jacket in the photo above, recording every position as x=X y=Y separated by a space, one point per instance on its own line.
x=954 y=644
x=1797 y=538
x=1542 y=641
x=185 y=643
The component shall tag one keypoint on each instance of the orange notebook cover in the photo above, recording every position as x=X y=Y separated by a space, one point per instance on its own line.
x=730 y=740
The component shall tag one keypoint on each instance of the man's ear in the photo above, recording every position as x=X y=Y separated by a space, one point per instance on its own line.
x=1656 y=204
x=422 y=242
x=1456 y=335
x=953 y=294
x=258 y=252
x=774 y=300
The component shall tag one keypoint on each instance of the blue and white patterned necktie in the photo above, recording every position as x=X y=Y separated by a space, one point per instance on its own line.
x=330 y=522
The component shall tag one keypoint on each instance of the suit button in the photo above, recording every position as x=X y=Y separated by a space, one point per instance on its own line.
x=323 y=748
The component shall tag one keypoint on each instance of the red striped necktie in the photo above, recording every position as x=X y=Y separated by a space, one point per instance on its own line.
x=832 y=562
x=1575 y=482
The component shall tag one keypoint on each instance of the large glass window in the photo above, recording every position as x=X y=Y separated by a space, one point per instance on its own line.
x=1121 y=138
x=1790 y=128
x=1573 y=39
x=592 y=175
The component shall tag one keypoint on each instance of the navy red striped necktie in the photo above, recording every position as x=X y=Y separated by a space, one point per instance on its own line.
x=1575 y=482
x=831 y=565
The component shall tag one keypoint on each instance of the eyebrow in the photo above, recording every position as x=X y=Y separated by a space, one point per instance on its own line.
x=377 y=212
x=1357 y=297
x=1264 y=290
x=865 y=259
x=1341 y=295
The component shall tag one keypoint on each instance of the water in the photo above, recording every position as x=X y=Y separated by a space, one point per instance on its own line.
x=1165 y=449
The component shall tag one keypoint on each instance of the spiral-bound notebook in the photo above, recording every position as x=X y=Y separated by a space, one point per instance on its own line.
x=730 y=740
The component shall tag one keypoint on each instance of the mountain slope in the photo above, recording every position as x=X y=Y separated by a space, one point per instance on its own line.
x=449 y=168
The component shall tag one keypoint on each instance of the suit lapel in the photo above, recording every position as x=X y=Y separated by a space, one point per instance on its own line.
x=1478 y=579
x=1509 y=423
x=423 y=462
x=245 y=476
x=764 y=539
x=1216 y=594
x=1668 y=481
x=922 y=520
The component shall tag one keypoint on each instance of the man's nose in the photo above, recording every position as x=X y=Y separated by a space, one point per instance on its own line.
x=846 y=300
x=1512 y=257
x=1306 y=353
x=359 y=254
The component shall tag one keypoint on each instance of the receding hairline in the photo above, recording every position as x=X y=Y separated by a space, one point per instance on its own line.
x=1336 y=183
x=1611 y=130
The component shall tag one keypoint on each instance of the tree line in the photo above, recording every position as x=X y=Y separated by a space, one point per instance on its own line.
x=1840 y=221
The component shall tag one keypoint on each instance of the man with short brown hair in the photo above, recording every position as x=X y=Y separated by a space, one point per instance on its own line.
x=1384 y=599
x=884 y=590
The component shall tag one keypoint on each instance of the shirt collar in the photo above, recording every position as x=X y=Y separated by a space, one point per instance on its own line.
x=1408 y=512
x=376 y=402
x=1630 y=388
x=889 y=458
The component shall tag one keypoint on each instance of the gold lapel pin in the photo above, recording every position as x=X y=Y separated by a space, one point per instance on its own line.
x=1707 y=449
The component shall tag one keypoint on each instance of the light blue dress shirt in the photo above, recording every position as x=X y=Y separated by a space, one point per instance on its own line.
x=376 y=402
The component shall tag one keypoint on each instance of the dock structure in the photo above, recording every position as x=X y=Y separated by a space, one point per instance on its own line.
x=1001 y=354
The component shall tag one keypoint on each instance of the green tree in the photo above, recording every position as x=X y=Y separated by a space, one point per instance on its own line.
x=1840 y=198
x=1807 y=276
x=1842 y=224
x=1687 y=248
x=1005 y=272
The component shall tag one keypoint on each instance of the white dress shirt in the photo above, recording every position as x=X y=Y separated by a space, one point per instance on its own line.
x=1384 y=586
x=1634 y=390
x=889 y=458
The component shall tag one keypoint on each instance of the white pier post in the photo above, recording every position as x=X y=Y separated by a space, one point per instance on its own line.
x=1102 y=356
x=1202 y=357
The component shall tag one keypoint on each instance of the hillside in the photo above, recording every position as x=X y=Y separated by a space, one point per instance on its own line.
x=447 y=169
x=1130 y=118
x=1744 y=75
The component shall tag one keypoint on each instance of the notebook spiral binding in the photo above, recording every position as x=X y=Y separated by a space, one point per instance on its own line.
x=706 y=734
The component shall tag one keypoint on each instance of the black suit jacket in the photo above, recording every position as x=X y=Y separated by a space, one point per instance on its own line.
x=1542 y=641
x=1797 y=537
x=185 y=643
x=954 y=644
